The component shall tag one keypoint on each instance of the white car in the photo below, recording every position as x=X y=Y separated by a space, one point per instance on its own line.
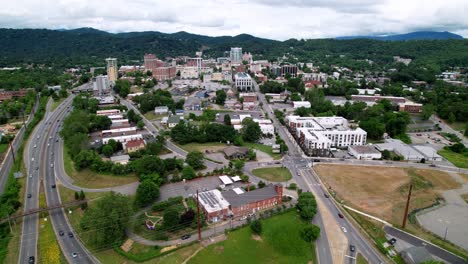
x=344 y=229
x=74 y=255
x=35 y=146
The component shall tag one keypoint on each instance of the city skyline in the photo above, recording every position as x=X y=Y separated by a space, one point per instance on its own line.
x=268 y=19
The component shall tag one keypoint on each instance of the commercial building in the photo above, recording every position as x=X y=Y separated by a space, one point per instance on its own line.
x=108 y=112
x=298 y=104
x=151 y=62
x=409 y=152
x=233 y=152
x=237 y=203
x=4 y=95
x=122 y=139
x=275 y=97
x=160 y=70
x=119 y=123
x=119 y=132
x=410 y=107
x=376 y=98
x=194 y=62
x=243 y=81
x=248 y=97
x=289 y=69
x=101 y=86
x=364 y=152
x=316 y=135
x=112 y=69
x=235 y=55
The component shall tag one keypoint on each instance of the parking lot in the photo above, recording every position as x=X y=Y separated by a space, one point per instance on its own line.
x=433 y=138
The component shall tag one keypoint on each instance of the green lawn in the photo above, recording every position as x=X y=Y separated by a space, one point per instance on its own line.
x=90 y=179
x=55 y=104
x=280 y=243
x=3 y=148
x=361 y=260
x=263 y=148
x=458 y=159
x=202 y=147
x=48 y=247
x=275 y=174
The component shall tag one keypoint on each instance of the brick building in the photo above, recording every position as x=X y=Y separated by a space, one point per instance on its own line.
x=4 y=95
x=410 y=107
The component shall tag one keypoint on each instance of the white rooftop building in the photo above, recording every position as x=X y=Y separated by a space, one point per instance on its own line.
x=243 y=81
x=123 y=139
x=298 y=104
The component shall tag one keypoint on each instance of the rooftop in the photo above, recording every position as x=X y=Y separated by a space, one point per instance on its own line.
x=134 y=143
x=212 y=201
x=365 y=149
x=236 y=199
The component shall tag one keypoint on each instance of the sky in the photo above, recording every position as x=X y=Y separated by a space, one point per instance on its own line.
x=274 y=19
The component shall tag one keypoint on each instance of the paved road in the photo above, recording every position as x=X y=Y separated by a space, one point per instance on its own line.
x=8 y=161
x=446 y=128
x=57 y=216
x=32 y=155
x=414 y=241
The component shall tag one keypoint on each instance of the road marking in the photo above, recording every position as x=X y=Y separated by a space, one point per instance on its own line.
x=351 y=257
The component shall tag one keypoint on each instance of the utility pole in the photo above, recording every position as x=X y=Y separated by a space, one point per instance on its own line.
x=405 y=216
x=198 y=216
x=9 y=223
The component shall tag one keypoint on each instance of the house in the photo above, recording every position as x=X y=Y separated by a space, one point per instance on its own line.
x=416 y=255
x=172 y=121
x=161 y=110
x=121 y=159
x=312 y=84
x=179 y=112
x=192 y=104
x=364 y=152
x=134 y=145
x=298 y=104
x=230 y=93
x=234 y=152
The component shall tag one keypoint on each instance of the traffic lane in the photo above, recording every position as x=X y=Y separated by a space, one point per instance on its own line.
x=441 y=253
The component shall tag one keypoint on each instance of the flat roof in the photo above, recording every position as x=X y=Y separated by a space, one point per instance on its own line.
x=117 y=130
x=119 y=120
x=212 y=201
x=235 y=178
x=226 y=180
x=244 y=198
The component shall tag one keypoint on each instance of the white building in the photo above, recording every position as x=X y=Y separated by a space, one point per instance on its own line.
x=101 y=85
x=317 y=135
x=236 y=55
x=108 y=112
x=298 y=104
x=364 y=152
x=161 y=110
x=243 y=81
x=123 y=139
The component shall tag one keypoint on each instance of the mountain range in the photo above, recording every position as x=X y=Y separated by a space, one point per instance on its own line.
x=418 y=35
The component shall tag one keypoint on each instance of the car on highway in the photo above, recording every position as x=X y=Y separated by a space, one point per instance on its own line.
x=432 y=165
x=70 y=234
x=184 y=237
x=74 y=255
x=61 y=233
x=340 y=215
x=326 y=195
x=31 y=260
x=35 y=146
x=316 y=160
x=392 y=241
x=352 y=248
x=51 y=165
x=53 y=186
x=29 y=195
x=344 y=229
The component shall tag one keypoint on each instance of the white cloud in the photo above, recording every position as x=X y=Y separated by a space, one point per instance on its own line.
x=277 y=19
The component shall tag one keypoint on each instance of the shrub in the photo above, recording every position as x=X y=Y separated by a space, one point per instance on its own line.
x=256 y=227
x=169 y=202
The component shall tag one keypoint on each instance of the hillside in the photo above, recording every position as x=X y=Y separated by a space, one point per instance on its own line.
x=419 y=35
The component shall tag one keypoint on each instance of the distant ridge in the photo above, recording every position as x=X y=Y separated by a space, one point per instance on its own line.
x=419 y=35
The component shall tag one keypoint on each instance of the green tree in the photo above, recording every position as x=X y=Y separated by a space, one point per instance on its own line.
x=170 y=218
x=238 y=165
x=451 y=118
x=250 y=131
x=466 y=130
x=111 y=214
x=427 y=111
x=220 y=97
x=307 y=205
x=82 y=195
x=195 y=160
x=147 y=192
x=310 y=233
x=122 y=87
x=107 y=150
x=140 y=124
x=261 y=184
x=188 y=173
x=227 y=120
x=256 y=227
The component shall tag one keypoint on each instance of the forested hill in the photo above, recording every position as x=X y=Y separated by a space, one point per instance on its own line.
x=91 y=46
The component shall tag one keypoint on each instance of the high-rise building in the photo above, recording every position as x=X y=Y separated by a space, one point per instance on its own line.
x=236 y=55
x=112 y=69
x=151 y=62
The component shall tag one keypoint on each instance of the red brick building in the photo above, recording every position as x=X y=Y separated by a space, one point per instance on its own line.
x=238 y=203
x=410 y=107
x=4 y=95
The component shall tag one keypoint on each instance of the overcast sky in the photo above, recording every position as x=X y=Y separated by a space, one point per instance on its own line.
x=275 y=19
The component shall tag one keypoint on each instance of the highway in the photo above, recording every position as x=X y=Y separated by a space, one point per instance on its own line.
x=29 y=235
x=330 y=248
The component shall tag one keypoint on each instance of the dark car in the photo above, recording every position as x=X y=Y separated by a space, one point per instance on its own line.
x=340 y=215
x=29 y=195
x=70 y=234
x=392 y=241
x=31 y=260
x=433 y=165
x=326 y=195
x=184 y=237
x=316 y=160
x=61 y=233
x=352 y=248
x=53 y=186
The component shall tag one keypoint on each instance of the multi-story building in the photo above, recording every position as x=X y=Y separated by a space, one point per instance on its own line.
x=289 y=69
x=112 y=70
x=195 y=62
x=101 y=86
x=237 y=203
x=247 y=57
x=410 y=107
x=316 y=135
x=151 y=62
x=248 y=97
x=236 y=55
x=243 y=81
x=164 y=73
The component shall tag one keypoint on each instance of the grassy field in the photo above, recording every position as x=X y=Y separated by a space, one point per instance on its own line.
x=280 y=242
x=68 y=195
x=458 y=126
x=203 y=147
x=152 y=116
x=55 y=104
x=361 y=260
x=381 y=191
x=89 y=179
x=3 y=148
x=48 y=247
x=278 y=174
x=263 y=148
x=458 y=159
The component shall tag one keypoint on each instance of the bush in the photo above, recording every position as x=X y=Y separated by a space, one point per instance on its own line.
x=310 y=233
x=256 y=227
x=169 y=202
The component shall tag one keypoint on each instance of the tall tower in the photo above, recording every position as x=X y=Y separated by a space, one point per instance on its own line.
x=236 y=55
x=112 y=69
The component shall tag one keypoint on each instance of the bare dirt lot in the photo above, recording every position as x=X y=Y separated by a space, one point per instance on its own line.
x=381 y=191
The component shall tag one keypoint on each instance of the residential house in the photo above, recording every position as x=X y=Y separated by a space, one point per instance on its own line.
x=134 y=145
x=233 y=152
x=172 y=121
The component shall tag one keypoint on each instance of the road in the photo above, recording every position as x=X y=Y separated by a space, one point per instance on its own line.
x=29 y=235
x=446 y=128
x=330 y=244
x=8 y=161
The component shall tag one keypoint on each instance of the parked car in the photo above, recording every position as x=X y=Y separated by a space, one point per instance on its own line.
x=74 y=255
x=61 y=233
x=340 y=215
x=344 y=229
x=326 y=195
x=352 y=248
x=392 y=241
x=29 y=195
x=53 y=186
x=31 y=260
x=184 y=237
x=316 y=160
x=70 y=234
x=432 y=165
